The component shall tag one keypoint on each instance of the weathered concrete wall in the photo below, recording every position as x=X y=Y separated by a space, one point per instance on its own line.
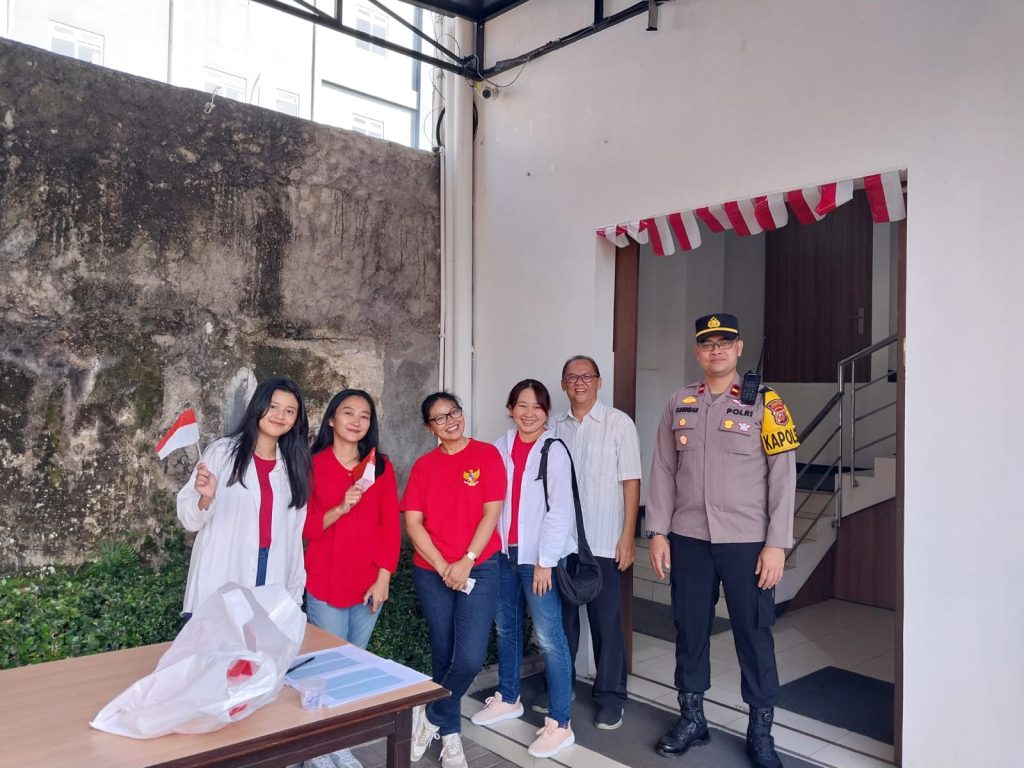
x=153 y=256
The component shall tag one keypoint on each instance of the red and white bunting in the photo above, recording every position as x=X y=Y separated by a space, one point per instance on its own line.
x=771 y=211
x=804 y=203
x=885 y=196
x=661 y=236
x=614 y=234
x=684 y=225
x=638 y=230
x=715 y=217
x=741 y=215
x=833 y=195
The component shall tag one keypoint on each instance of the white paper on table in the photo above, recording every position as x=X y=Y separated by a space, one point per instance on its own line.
x=352 y=674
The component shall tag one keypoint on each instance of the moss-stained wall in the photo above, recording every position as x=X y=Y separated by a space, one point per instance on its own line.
x=154 y=256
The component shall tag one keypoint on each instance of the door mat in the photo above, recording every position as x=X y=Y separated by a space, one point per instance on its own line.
x=642 y=725
x=844 y=699
x=655 y=619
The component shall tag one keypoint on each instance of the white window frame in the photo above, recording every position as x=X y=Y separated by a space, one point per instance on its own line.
x=289 y=99
x=224 y=84
x=373 y=22
x=82 y=40
x=368 y=126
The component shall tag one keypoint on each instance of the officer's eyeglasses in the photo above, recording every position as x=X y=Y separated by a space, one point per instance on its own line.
x=572 y=378
x=707 y=346
x=442 y=418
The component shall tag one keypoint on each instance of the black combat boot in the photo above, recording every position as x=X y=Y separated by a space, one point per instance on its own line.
x=690 y=729
x=760 y=744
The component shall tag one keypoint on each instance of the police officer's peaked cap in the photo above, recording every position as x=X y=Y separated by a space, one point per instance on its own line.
x=721 y=324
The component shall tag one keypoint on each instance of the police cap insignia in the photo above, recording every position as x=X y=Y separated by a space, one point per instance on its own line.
x=720 y=324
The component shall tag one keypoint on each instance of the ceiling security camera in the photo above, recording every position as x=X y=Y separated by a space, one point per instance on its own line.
x=489 y=91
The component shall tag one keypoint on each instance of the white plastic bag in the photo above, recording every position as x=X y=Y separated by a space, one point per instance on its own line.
x=228 y=661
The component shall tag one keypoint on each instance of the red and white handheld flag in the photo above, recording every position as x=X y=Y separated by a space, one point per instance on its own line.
x=365 y=472
x=184 y=433
x=885 y=196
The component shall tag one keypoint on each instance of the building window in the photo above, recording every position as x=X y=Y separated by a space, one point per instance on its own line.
x=368 y=126
x=76 y=43
x=287 y=102
x=223 y=84
x=373 y=23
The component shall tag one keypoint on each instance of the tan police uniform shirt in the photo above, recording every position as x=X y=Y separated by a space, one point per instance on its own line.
x=711 y=477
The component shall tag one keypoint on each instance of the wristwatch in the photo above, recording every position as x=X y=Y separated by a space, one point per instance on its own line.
x=652 y=534
x=471 y=555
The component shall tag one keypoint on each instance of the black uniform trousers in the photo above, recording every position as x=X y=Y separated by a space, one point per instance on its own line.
x=604 y=614
x=697 y=569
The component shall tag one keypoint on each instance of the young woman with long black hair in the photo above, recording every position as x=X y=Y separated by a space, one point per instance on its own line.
x=246 y=499
x=352 y=530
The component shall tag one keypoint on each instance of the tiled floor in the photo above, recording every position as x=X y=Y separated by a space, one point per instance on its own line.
x=834 y=633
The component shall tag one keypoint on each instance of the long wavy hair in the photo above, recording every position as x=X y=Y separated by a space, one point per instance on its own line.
x=294 y=444
x=325 y=437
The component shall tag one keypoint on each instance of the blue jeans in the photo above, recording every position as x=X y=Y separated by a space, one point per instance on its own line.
x=516 y=582
x=355 y=624
x=261 y=566
x=459 y=627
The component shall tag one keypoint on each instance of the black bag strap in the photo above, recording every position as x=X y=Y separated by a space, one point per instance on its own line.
x=542 y=475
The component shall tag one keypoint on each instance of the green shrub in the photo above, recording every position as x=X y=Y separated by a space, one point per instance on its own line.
x=115 y=602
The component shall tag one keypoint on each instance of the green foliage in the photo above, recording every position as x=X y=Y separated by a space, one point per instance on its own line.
x=115 y=602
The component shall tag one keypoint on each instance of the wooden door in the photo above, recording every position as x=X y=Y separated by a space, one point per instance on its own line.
x=818 y=295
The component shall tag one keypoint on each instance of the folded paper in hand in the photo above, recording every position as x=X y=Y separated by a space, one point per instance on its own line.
x=226 y=662
x=365 y=471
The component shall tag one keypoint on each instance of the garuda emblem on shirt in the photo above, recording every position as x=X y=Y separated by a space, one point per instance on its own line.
x=471 y=477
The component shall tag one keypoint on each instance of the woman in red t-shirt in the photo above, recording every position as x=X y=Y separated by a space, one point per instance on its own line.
x=351 y=525
x=451 y=506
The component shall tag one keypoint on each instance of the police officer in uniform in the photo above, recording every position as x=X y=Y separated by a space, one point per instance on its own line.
x=720 y=511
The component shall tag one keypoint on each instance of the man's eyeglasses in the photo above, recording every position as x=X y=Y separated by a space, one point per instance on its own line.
x=707 y=346
x=572 y=378
x=442 y=418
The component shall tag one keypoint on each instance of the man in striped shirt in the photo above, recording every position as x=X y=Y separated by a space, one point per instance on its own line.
x=605 y=449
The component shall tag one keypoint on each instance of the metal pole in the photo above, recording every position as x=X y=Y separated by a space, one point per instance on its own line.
x=839 y=501
x=853 y=425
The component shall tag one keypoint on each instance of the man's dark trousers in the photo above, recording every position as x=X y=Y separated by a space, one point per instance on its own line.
x=604 y=614
x=697 y=568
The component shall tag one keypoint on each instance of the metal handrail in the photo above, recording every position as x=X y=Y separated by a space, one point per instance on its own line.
x=805 y=433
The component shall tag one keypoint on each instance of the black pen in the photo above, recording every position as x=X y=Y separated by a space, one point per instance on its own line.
x=301 y=663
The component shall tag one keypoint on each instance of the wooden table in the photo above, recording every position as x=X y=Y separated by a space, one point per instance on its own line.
x=45 y=711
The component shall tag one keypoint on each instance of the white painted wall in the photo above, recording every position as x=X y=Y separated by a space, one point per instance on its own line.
x=736 y=97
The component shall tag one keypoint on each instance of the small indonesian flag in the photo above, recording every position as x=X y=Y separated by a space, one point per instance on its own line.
x=715 y=217
x=684 y=225
x=365 y=471
x=660 y=236
x=770 y=211
x=615 y=234
x=741 y=215
x=638 y=230
x=885 y=196
x=184 y=433
x=833 y=195
x=804 y=203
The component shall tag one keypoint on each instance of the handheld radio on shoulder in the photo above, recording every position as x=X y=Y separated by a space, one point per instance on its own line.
x=752 y=379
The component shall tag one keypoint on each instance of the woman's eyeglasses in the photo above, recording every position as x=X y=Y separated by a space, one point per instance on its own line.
x=442 y=418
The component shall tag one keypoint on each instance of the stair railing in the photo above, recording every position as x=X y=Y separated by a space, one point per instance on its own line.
x=847 y=436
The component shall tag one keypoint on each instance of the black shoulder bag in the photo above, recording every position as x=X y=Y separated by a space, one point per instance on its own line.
x=579 y=575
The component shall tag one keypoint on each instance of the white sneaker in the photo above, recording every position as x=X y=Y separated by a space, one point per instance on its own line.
x=497 y=710
x=551 y=739
x=423 y=732
x=344 y=758
x=452 y=755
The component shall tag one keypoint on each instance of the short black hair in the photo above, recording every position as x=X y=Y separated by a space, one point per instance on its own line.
x=429 y=400
x=541 y=392
x=574 y=358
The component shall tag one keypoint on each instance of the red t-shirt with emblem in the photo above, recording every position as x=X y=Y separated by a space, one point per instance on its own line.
x=450 y=491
